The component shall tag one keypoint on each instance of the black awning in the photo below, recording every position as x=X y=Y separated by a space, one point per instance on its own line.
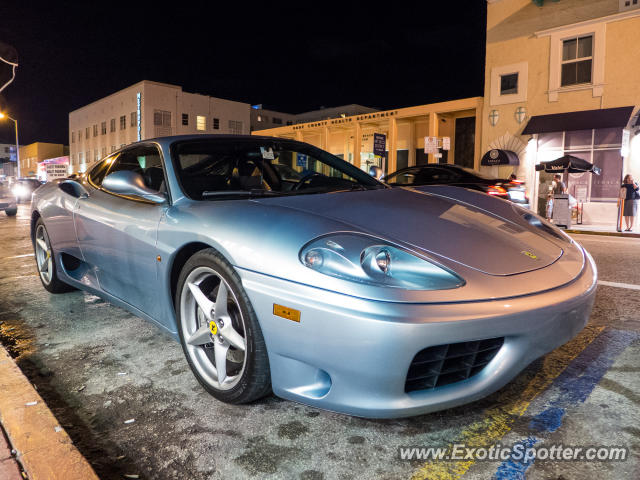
x=568 y=163
x=500 y=157
x=585 y=120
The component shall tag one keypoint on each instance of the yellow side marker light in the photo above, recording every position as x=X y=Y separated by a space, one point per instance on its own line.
x=286 y=312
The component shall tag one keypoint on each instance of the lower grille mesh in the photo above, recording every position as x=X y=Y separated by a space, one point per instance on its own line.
x=445 y=364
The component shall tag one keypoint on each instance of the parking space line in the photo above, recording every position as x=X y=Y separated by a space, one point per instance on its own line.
x=498 y=420
x=629 y=286
x=572 y=387
x=21 y=256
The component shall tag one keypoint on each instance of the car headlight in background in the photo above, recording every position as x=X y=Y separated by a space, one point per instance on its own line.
x=369 y=260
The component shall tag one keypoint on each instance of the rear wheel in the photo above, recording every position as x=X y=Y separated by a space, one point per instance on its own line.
x=11 y=211
x=45 y=261
x=219 y=330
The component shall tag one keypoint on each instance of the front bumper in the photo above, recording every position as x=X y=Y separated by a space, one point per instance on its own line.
x=352 y=355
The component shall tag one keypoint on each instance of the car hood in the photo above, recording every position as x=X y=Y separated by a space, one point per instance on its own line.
x=439 y=225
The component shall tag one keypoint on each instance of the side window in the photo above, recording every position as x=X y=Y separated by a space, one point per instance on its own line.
x=403 y=178
x=97 y=173
x=144 y=161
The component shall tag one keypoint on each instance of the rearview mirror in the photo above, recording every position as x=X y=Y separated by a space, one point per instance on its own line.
x=126 y=182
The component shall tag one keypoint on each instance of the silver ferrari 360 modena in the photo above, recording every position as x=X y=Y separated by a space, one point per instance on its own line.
x=323 y=285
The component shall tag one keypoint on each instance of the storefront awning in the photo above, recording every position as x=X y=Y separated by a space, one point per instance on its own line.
x=585 y=120
x=500 y=157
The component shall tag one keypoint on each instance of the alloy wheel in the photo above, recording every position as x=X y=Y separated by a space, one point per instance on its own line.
x=213 y=328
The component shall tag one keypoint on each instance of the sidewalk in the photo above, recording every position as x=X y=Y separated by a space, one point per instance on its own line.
x=9 y=468
x=43 y=450
x=602 y=229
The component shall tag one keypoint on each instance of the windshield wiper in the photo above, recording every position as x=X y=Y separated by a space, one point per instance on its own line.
x=241 y=193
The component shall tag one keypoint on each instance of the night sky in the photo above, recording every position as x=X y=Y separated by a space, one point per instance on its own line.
x=289 y=58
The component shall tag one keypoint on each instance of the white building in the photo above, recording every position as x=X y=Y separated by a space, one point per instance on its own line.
x=148 y=110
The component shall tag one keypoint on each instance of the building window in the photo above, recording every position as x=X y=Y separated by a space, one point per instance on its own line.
x=201 y=122
x=628 y=4
x=96 y=155
x=289 y=122
x=216 y=124
x=185 y=119
x=103 y=128
x=112 y=125
x=95 y=130
x=509 y=84
x=80 y=157
x=134 y=120
x=235 y=127
x=79 y=135
x=276 y=121
x=577 y=60
x=113 y=148
x=259 y=118
x=162 y=118
x=73 y=138
x=123 y=122
x=104 y=151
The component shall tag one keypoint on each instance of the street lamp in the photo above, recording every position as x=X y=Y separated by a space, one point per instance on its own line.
x=2 y=116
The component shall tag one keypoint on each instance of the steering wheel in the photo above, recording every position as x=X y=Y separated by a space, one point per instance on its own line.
x=306 y=177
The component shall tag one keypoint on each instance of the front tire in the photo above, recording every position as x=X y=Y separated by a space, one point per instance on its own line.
x=219 y=330
x=46 y=261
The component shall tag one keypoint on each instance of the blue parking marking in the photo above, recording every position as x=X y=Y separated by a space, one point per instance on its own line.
x=571 y=387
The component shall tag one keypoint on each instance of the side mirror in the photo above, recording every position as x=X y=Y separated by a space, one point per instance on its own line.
x=73 y=188
x=126 y=182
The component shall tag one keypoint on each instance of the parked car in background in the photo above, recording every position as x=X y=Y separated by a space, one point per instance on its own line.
x=7 y=199
x=24 y=187
x=444 y=174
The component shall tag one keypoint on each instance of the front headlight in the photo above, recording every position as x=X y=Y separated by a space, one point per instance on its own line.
x=364 y=259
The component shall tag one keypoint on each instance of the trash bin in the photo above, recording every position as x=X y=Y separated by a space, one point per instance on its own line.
x=561 y=215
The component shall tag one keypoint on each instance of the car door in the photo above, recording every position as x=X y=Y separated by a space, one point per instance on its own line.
x=117 y=234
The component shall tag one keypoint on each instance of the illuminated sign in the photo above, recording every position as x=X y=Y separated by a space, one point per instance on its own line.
x=139 y=114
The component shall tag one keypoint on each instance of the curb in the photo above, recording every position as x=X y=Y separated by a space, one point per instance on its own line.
x=44 y=450
x=610 y=234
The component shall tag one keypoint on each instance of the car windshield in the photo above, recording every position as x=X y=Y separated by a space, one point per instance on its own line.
x=226 y=169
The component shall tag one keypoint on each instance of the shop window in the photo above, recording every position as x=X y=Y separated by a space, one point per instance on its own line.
x=201 y=122
x=607 y=137
x=578 y=139
x=548 y=141
x=577 y=61
x=509 y=84
x=606 y=186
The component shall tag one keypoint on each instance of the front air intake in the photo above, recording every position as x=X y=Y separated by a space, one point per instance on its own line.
x=446 y=364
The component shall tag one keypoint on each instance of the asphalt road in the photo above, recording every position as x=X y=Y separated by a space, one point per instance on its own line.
x=97 y=366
